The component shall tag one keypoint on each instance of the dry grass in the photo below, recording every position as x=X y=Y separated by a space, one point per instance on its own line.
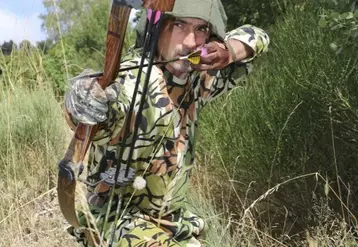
x=235 y=218
x=32 y=139
x=29 y=212
x=39 y=223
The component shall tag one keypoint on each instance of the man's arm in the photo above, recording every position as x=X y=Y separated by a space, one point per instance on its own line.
x=242 y=46
x=246 y=43
x=238 y=50
x=86 y=102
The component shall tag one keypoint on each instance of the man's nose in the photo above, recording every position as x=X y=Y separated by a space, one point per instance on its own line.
x=190 y=42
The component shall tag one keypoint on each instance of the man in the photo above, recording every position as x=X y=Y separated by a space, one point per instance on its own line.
x=154 y=210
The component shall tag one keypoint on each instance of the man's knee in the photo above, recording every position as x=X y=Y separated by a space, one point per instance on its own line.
x=147 y=234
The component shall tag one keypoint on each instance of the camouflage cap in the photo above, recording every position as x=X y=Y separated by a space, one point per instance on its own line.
x=211 y=11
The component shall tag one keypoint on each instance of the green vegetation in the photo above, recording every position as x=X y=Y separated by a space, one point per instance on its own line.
x=277 y=157
x=297 y=115
x=32 y=138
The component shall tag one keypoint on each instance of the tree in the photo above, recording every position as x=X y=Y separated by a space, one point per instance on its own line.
x=259 y=12
x=25 y=44
x=88 y=35
x=82 y=34
x=7 y=47
x=62 y=14
x=83 y=25
x=44 y=45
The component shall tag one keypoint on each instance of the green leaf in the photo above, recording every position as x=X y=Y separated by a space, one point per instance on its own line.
x=339 y=51
x=334 y=15
x=338 y=26
x=333 y=46
x=322 y=23
x=356 y=13
x=355 y=35
x=343 y=16
x=350 y=15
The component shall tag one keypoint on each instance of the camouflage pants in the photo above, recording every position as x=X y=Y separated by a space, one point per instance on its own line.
x=136 y=229
x=145 y=234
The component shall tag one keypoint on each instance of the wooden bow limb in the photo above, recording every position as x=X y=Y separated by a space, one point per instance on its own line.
x=150 y=45
x=71 y=164
x=84 y=134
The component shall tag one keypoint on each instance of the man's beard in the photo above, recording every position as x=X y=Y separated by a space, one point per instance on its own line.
x=180 y=67
x=183 y=66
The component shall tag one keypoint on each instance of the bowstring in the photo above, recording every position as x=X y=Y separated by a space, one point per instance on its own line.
x=155 y=150
x=152 y=45
x=121 y=148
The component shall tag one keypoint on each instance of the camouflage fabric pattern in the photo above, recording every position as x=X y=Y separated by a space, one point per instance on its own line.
x=164 y=150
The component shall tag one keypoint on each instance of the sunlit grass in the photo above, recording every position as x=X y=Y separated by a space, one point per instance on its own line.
x=32 y=136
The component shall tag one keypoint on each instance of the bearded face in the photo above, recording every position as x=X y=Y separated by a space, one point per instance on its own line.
x=179 y=37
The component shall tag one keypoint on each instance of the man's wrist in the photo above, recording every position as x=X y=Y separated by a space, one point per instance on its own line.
x=231 y=52
x=238 y=50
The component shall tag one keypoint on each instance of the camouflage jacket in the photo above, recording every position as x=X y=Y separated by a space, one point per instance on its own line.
x=165 y=145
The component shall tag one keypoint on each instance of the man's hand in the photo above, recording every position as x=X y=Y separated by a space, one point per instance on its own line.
x=215 y=57
x=219 y=55
x=87 y=102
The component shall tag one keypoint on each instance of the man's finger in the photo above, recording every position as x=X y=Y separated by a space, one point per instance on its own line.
x=208 y=59
x=210 y=47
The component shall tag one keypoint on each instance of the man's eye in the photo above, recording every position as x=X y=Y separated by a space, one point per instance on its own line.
x=203 y=29
x=179 y=24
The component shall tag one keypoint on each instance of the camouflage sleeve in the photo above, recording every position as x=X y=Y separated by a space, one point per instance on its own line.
x=252 y=36
x=110 y=130
x=215 y=83
x=116 y=113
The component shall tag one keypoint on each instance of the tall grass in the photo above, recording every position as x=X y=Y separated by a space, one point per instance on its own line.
x=296 y=115
x=32 y=135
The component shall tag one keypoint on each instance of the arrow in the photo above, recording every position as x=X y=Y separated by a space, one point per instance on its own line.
x=193 y=58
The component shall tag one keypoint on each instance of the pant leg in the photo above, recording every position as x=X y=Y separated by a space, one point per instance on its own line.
x=136 y=230
x=145 y=234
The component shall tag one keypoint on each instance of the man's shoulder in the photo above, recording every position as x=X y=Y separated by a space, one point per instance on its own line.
x=131 y=61
x=131 y=58
x=131 y=54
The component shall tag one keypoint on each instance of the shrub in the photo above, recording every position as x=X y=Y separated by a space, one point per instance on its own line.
x=296 y=115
